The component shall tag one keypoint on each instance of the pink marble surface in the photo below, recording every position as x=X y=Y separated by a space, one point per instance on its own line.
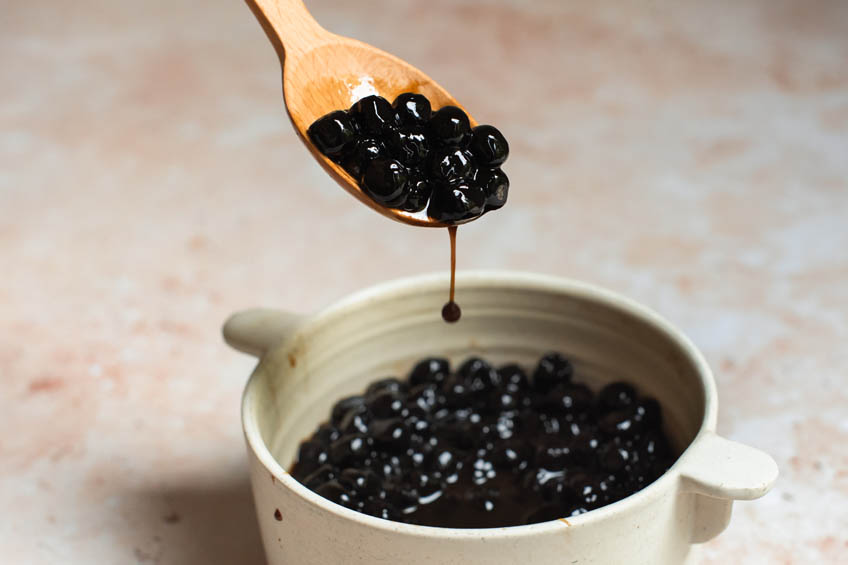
x=690 y=155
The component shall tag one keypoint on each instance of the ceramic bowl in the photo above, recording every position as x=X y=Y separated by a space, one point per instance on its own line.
x=307 y=362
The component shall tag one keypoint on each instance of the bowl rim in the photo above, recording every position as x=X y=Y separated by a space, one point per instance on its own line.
x=484 y=279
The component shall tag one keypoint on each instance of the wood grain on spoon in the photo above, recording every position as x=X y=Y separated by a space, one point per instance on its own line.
x=323 y=72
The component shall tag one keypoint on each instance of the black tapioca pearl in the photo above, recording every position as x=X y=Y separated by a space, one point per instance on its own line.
x=392 y=434
x=385 y=404
x=507 y=425
x=586 y=489
x=355 y=421
x=430 y=493
x=576 y=428
x=333 y=134
x=379 y=508
x=311 y=455
x=335 y=492
x=326 y=434
x=559 y=490
x=573 y=398
x=648 y=413
x=458 y=433
x=480 y=377
x=364 y=482
x=431 y=370
x=404 y=498
x=513 y=455
x=513 y=379
x=616 y=396
x=484 y=449
x=485 y=499
x=482 y=471
x=555 y=454
x=420 y=479
x=425 y=397
x=620 y=423
x=530 y=422
x=385 y=181
x=418 y=424
x=552 y=369
x=585 y=447
x=495 y=185
x=472 y=366
x=409 y=146
x=613 y=458
x=344 y=406
x=502 y=400
x=457 y=392
x=374 y=115
x=456 y=201
x=418 y=192
x=412 y=109
x=551 y=424
x=448 y=460
x=450 y=126
x=489 y=146
x=421 y=457
x=385 y=469
x=451 y=163
x=536 y=479
x=364 y=151
x=391 y=384
x=350 y=450
x=654 y=446
x=631 y=453
x=318 y=477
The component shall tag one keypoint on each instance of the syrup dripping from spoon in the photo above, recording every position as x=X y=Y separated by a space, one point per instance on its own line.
x=451 y=311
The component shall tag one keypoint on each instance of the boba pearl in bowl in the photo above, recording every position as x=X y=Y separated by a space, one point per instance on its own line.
x=483 y=447
x=555 y=423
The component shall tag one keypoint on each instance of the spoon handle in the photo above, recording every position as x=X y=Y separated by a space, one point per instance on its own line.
x=289 y=26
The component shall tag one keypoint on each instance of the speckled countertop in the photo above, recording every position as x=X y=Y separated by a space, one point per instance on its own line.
x=691 y=155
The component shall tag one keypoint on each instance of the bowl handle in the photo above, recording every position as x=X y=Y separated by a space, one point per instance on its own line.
x=719 y=471
x=256 y=330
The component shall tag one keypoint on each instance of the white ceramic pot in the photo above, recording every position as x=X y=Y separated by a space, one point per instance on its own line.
x=308 y=362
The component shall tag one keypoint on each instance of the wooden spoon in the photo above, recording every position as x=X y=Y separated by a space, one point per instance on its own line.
x=323 y=72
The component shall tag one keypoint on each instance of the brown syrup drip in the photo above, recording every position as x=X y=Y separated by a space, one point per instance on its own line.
x=451 y=312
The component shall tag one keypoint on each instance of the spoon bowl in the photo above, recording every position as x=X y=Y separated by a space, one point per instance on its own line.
x=324 y=72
